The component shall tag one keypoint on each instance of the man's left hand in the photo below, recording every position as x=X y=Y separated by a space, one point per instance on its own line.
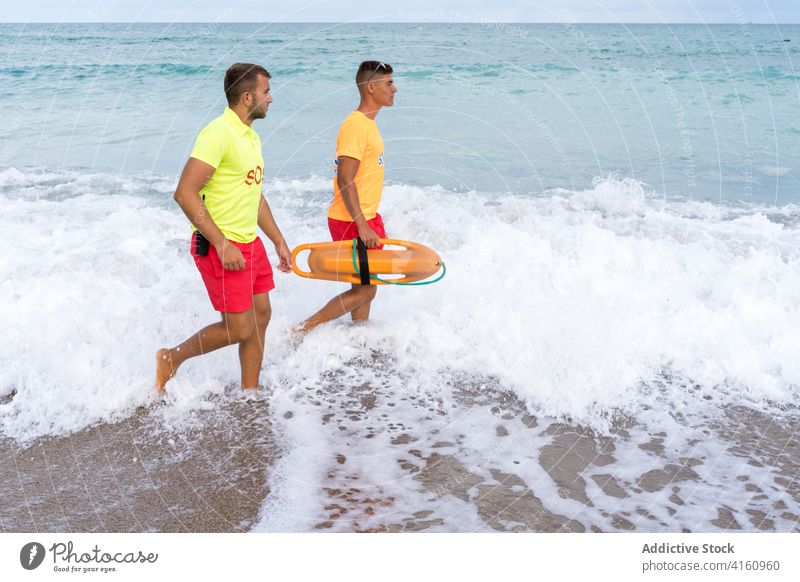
x=285 y=257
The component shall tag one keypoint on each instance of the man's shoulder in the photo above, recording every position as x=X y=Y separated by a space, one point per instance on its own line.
x=212 y=143
x=356 y=122
x=216 y=128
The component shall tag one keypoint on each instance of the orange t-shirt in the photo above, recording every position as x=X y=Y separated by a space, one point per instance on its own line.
x=359 y=138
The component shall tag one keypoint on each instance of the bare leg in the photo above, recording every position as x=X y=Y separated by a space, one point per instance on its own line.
x=251 y=350
x=233 y=328
x=349 y=301
x=361 y=313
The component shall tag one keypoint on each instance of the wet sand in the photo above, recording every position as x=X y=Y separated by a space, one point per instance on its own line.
x=135 y=475
x=574 y=452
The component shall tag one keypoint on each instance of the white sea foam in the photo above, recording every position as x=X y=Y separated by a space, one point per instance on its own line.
x=575 y=301
x=585 y=306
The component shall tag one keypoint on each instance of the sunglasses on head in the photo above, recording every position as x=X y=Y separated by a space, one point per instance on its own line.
x=375 y=71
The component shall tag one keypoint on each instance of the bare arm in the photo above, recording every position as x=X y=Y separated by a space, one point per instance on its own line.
x=345 y=179
x=266 y=222
x=194 y=176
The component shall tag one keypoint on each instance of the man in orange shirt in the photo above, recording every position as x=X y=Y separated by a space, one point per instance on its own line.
x=358 y=186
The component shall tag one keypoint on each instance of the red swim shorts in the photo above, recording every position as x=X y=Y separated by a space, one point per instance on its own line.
x=232 y=291
x=343 y=230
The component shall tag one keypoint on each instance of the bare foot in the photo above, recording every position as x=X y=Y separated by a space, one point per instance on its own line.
x=164 y=369
x=254 y=393
x=296 y=336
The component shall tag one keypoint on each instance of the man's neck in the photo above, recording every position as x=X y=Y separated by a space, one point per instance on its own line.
x=369 y=109
x=243 y=115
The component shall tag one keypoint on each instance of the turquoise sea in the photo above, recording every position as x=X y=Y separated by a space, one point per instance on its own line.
x=702 y=111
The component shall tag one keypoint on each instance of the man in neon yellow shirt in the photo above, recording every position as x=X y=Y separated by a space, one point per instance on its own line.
x=220 y=193
x=358 y=186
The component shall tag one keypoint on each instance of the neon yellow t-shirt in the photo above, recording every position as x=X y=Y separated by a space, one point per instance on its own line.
x=359 y=138
x=233 y=193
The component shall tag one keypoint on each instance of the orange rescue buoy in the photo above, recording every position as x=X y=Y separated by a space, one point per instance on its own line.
x=338 y=261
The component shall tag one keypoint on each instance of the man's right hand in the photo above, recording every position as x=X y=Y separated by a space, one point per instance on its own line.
x=230 y=256
x=369 y=236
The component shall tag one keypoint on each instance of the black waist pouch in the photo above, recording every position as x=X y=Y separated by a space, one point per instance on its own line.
x=200 y=244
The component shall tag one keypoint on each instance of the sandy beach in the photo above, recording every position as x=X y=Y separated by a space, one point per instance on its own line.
x=138 y=475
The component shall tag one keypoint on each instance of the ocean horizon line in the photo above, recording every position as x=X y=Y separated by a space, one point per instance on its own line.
x=481 y=22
